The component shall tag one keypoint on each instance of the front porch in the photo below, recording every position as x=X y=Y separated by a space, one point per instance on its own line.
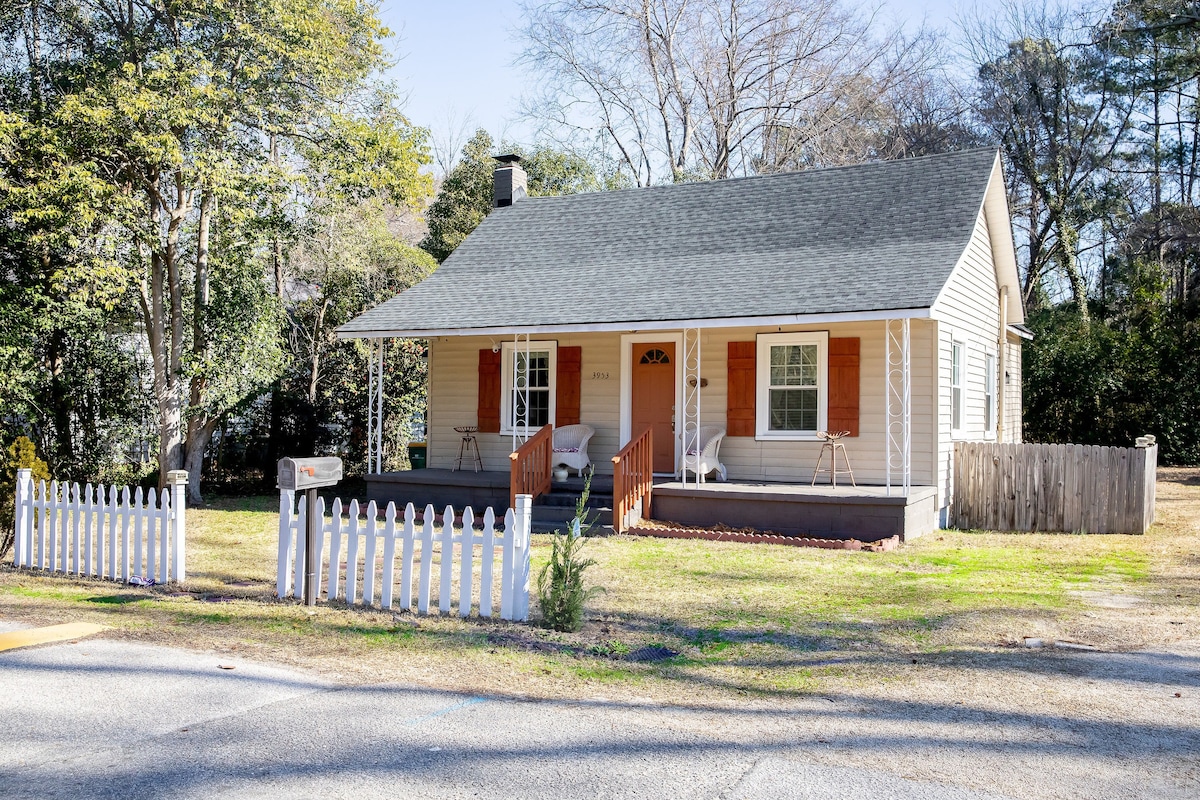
x=868 y=513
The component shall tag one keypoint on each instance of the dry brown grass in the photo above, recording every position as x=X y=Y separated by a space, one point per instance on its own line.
x=759 y=620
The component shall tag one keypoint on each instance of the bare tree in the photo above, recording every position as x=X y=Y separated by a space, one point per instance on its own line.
x=447 y=140
x=1045 y=93
x=713 y=88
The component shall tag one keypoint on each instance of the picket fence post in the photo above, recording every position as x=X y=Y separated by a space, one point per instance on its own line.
x=177 y=479
x=522 y=566
x=21 y=548
x=287 y=503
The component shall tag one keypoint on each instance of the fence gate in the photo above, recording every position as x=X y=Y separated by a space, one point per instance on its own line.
x=357 y=551
x=1054 y=487
x=103 y=532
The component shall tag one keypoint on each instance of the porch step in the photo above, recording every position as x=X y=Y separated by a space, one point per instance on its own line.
x=548 y=518
x=602 y=526
x=568 y=499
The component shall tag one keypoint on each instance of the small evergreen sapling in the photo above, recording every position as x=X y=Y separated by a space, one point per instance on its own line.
x=561 y=589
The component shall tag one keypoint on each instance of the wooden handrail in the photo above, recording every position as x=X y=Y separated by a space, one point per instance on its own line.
x=531 y=465
x=633 y=478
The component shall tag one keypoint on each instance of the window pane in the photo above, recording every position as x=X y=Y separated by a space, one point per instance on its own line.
x=794 y=365
x=537 y=372
x=956 y=403
x=793 y=410
x=539 y=407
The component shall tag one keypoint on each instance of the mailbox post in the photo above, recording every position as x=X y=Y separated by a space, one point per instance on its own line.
x=309 y=474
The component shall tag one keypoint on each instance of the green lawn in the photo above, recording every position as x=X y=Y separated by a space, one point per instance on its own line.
x=743 y=619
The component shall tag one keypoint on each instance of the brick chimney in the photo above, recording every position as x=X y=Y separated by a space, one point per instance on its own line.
x=510 y=182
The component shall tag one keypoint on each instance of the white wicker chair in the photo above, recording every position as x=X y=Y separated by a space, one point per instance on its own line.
x=705 y=461
x=570 y=446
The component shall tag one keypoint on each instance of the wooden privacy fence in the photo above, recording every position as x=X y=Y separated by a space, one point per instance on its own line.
x=104 y=532
x=1054 y=487
x=357 y=552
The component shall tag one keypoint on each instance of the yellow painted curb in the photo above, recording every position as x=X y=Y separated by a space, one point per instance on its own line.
x=51 y=633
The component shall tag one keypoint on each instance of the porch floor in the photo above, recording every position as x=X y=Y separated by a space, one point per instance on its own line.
x=839 y=512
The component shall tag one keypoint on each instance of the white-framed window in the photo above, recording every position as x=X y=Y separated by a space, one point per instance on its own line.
x=541 y=373
x=792 y=399
x=958 y=374
x=989 y=393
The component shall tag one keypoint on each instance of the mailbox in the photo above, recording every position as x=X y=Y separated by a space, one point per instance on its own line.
x=309 y=473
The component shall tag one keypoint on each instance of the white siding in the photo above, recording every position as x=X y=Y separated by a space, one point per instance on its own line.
x=968 y=310
x=454 y=397
x=1012 y=431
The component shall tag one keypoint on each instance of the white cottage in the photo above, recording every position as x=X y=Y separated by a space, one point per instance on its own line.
x=880 y=299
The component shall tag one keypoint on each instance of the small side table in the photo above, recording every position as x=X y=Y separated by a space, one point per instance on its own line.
x=832 y=443
x=469 y=448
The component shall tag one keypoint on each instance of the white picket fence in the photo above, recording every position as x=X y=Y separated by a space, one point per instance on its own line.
x=357 y=553
x=104 y=532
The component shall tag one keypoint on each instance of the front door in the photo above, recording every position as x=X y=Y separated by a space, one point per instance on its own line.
x=653 y=399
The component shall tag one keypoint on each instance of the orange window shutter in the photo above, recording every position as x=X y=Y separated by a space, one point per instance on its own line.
x=567 y=393
x=844 y=359
x=489 y=391
x=739 y=412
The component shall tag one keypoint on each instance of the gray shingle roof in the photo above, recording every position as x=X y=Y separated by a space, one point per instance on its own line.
x=871 y=237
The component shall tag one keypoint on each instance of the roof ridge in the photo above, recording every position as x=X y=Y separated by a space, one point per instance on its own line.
x=740 y=179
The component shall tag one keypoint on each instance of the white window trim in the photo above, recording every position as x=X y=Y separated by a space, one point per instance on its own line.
x=762 y=384
x=506 y=380
x=990 y=388
x=960 y=342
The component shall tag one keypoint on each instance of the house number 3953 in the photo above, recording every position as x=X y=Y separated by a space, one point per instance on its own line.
x=599 y=376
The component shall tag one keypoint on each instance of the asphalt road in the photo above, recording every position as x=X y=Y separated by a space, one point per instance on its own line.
x=101 y=718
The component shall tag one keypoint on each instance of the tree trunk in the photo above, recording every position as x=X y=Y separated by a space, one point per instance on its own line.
x=197 y=419
x=198 y=440
x=165 y=367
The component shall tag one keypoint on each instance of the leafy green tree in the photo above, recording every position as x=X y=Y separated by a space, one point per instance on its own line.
x=466 y=195
x=353 y=263
x=463 y=199
x=186 y=123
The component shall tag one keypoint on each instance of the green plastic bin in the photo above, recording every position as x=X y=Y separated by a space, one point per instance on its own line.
x=416 y=455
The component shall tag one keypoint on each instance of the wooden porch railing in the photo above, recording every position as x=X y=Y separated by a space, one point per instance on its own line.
x=531 y=464
x=633 y=477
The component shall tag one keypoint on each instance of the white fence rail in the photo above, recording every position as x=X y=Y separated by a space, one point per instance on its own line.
x=357 y=551
x=104 y=532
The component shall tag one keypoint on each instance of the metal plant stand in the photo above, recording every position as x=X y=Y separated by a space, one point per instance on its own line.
x=832 y=444
x=468 y=448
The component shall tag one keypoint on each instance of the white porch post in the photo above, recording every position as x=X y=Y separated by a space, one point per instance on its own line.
x=374 y=406
x=898 y=404
x=689 y=419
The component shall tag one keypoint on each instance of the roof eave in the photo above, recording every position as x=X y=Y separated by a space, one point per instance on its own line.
x=628 y=326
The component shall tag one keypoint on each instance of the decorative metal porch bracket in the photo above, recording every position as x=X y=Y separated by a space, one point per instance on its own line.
x=689 y=438
x=374 y=406
x=899 y=405
x=520 y=391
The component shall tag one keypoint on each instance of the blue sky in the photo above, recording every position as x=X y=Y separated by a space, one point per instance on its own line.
x=457 y=58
